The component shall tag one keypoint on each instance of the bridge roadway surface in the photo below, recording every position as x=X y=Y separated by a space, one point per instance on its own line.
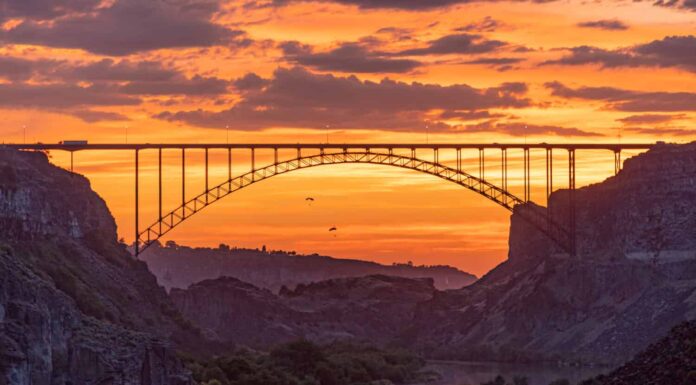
x=271 y=146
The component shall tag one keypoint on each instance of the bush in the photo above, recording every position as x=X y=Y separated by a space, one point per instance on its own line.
x=305 y=363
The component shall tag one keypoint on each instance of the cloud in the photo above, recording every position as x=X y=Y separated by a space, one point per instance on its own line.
x=488 y=24
x=406 y=5
x=461 y=43
x=129 y=26
x=298 y=98
x=60 y=96
x=662 y=131
x=672 y=51
x=469 y=115
x=43 y=9
x=112 y=70
x=195 y=86
x=609 y=25
x=92 y=116
x=651 y=118
x=627 y=100
x=20 y=69
x=348 y=57
x=523 y=129
x=680 y=4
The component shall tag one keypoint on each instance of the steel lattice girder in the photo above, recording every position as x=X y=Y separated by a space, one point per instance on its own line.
x=502 y=197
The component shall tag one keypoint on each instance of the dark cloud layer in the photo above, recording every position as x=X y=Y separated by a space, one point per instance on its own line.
x=57 y=96
x=129 y=26
x=522 y=129
x=461 y=43
x=488 y=24
x=43 y=9
x=75 y=87
x=609 y=25
x=672 y=51
x=651 y=119
x=628 y=100
x=298 y=98
x=348 y=57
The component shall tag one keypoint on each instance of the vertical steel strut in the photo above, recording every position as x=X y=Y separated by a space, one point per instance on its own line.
x=183 y=183
x=229 y=168
x=527 y=178
x=617 y=161
x=206 y=175
x=137 y=205
x=159 y=195
x=459 y=164
x=571 y=197
x=253 y=164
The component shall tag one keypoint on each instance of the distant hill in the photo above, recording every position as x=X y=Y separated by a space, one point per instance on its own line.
x=179 y=266
x=366 y=309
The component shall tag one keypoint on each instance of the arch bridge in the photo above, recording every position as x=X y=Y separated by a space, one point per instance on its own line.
x=406 y=156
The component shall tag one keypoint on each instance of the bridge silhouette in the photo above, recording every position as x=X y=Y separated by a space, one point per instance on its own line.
x=559 y=228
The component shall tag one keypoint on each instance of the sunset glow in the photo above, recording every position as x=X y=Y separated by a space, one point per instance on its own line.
x=344 y=71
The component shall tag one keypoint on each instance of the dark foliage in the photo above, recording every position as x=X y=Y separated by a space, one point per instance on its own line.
x=305 y=363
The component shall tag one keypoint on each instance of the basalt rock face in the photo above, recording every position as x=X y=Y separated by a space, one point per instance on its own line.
x=371 y=308
x=75 y=307
x=633 y=279
x=180 y=266
x=671 y=360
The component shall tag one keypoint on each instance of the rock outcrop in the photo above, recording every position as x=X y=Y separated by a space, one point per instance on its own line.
x=371 y=309
x=633 y=279
x=671 y=360
x=75 y=307
x=180 y=266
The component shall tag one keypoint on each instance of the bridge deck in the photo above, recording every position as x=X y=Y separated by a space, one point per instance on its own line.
x=145 y=146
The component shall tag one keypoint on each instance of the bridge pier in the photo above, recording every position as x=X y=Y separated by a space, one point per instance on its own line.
x=137 y=204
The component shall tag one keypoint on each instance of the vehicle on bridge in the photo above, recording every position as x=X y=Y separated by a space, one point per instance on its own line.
x=73 y=142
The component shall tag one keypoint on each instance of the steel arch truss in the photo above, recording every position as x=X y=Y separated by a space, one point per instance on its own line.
x=537 y=216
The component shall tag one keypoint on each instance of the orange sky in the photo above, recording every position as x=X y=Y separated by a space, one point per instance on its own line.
x=582 y=72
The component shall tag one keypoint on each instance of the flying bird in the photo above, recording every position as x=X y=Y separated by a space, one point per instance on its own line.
x=310 y=199
x=333 y=229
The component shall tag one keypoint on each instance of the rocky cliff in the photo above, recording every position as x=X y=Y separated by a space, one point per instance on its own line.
x=371 y=309
x=180 y=266
x=75 y=307
x=634 y=277
x=671 y=360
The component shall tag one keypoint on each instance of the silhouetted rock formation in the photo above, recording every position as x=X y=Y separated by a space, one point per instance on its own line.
x=634 y=277
x=75 y=307
x=180 y=266
x=371 y=308
x=671 y=360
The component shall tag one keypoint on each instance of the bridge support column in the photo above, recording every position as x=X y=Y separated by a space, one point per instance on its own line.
x=617 y=161
x=571 y=198
x=459 y=164
x=183 y=183
x=206 y=175
x=527 y=177
x=159 y=195
x=482 y=166
x=229 y=168
x=253 y=164
x=137 y=204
